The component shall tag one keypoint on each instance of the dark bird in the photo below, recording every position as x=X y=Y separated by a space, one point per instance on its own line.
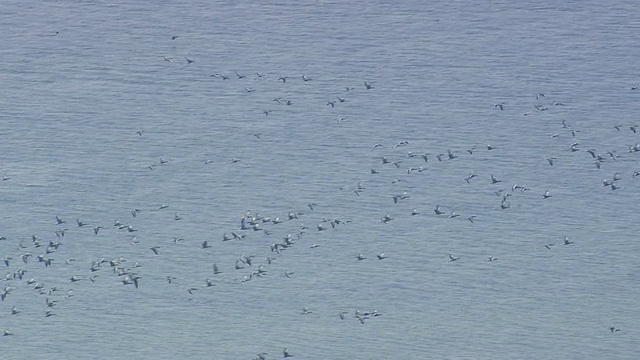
x=613 y=329
x=216 y=270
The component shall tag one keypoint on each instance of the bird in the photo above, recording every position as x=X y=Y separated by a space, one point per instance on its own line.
x=491 y=259
x=437 y=210
x=567 y=241
x=189 y=61
x=155 y=249
x=494 y=180
x=285 y=353
x=546 y=195
x=174 y=37
x=551 y=160
x=368 y=86
x=361 y=257
x=613 y=329
x=381 y=256
x=548 y=246
x=453 y=258
x=574 y=147
x=469 y=177
x=215 y=269
x=471 y=218
x=239 y=264
x=6 y=260
x=205 y=244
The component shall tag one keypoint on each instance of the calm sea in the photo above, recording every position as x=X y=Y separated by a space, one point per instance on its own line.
x=191 y=115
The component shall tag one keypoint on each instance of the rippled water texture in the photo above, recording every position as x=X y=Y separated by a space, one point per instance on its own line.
x=94 y=94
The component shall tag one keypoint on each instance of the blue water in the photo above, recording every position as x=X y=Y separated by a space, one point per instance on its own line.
x=80 y=79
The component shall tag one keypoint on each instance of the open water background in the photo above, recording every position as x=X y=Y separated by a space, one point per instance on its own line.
x=79 y=79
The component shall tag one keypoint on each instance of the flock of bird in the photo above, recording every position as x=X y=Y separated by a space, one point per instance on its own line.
x=20 y=257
